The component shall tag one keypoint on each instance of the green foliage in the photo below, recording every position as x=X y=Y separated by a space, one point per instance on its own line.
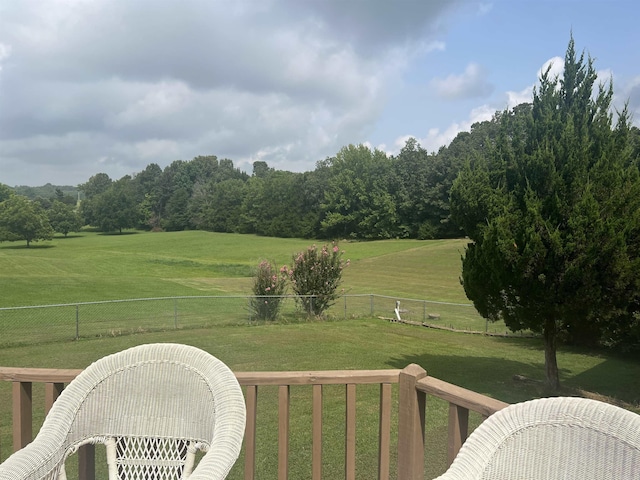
x=274 y=205
x=5 y=192
x=21 y=218
x=116 y=209
x=269 y=284
x=423 y=185
x=61 y=192
x=92 y=189
x=360 y=193
x=64 y=218
x=315 y=277
x=358 y=202
x=552 y=210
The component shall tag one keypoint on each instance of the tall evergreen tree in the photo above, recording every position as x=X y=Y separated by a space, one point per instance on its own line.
x=552 y=211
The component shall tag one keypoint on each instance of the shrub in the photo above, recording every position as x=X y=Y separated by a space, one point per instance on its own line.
x=268 y=287
x=315 y=277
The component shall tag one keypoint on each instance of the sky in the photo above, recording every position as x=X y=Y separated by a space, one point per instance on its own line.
x=110 y=86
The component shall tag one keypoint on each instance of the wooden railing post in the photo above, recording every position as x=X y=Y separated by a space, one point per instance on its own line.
x=316 y=461
x=411 y=428
x=250 y=433
x=22 y=415
x=458 y=430
x=283 y=432
x=350 y=433
x=52 y=391
x=384 y=432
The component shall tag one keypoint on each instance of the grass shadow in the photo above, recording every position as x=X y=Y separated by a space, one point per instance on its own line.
x=25 y=247
x=67 y=237
x=486 y=375
x=117 y=234
x=613 y=380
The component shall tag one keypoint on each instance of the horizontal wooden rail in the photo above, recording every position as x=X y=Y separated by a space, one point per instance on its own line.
x=414 y=385
x=460 y=396
x=461 y=401
x=321 y=377
x=326 y=377
x=37 y=375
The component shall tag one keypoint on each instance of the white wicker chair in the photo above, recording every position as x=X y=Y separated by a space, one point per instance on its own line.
x=153 y=406
x=561 y=438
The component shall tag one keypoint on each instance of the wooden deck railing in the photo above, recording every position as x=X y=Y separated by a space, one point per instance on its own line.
x=414 y=386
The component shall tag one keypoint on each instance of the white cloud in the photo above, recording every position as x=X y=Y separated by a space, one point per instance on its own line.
x=628 y=92
x=436 y=138
x=471 y=83
x=5 y=52
x=516 y=98
x=158 y=101
x=555 y=66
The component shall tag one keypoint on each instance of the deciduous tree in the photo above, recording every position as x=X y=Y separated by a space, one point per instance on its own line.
x=357 y=200
x=23 y=219
x=116 y=208
x=64 y=218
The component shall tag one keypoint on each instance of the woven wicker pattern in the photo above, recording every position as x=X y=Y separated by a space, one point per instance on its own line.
x=562 y=438
x=153 y=406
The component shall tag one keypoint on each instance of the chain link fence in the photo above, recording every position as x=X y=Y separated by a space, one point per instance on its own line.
x=52 y=323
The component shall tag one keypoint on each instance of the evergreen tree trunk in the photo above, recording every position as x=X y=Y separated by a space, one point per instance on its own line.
x=550 y=362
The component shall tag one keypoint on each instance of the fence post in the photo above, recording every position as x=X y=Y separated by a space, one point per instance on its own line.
x=411 y=416
x=77 y=322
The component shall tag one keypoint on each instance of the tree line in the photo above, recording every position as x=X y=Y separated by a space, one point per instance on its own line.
x=360 y=193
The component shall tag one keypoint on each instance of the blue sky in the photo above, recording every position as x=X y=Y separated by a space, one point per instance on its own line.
x=89 y=86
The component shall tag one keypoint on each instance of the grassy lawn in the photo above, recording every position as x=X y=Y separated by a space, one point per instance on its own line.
x=93 y=267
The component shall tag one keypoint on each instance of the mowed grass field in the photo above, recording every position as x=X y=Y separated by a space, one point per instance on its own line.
x=99 y=267
x=93 y=267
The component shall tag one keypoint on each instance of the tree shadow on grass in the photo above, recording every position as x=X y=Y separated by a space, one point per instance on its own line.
x=613 y=380
x=68 y=237
x=33 y=246
x=615 y=377
x=490 y=376
x=118 y=234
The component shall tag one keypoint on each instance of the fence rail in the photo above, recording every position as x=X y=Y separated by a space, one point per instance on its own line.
x=413 y=386
x=52 y=323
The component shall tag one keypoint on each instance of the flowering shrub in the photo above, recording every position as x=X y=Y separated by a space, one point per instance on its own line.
x=268 y=287
x=315 y=277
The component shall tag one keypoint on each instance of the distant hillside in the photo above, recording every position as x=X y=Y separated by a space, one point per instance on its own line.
x=45 y=191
